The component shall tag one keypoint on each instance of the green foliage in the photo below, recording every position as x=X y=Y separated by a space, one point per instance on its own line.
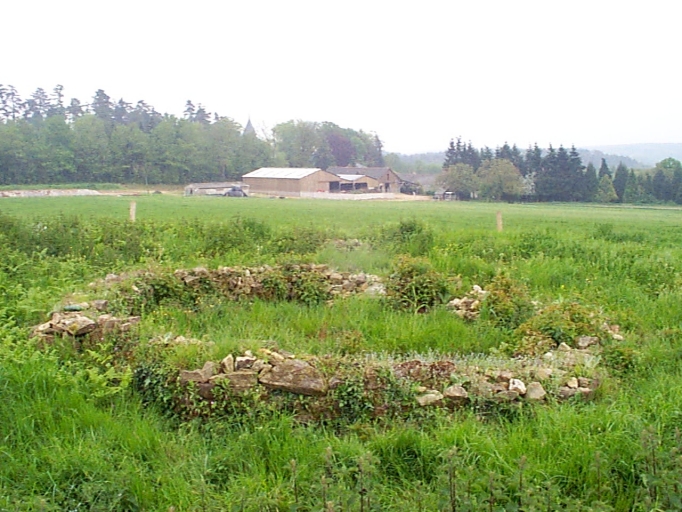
x=241 y=234
x=353 y=403
x=620 y=358
x=308 y=288
x=413 y=285
x=560 y=322
x=410 y=236
x=74 y=435
x=606 y=193
x=460 y=179
x=300 y=240
x=508 y=303
x=500 y=180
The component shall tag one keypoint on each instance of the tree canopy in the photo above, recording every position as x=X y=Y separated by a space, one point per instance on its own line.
x=44 y=139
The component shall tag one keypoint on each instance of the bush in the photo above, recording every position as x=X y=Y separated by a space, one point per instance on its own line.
x=411 y=237
x=300 y=240
x=508 y=302
x=414 y=285
x=557 y=323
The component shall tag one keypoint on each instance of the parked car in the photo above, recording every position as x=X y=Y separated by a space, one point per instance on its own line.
x=235 y=192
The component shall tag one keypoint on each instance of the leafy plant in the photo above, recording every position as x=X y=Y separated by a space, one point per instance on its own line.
x=508 y=303
x=414 y=285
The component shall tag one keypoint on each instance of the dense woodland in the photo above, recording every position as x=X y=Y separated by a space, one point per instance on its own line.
x=46 y=139
x=506 y=173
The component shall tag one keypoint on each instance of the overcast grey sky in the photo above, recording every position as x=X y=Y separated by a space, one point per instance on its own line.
x=417 y=73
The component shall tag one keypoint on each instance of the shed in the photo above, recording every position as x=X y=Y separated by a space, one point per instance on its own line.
x=387 y=179
x=212 y=189
x=350 y=182
x=286 y=181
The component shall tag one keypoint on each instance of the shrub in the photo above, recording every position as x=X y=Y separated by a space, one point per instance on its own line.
x=411 y=237
x=240 y=234
x=557 y=323
x=300 y=240
x=415 y=286
x=307 y=287
x=508 y=302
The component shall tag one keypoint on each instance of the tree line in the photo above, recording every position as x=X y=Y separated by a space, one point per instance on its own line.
x=553 y=175
x=45 y=139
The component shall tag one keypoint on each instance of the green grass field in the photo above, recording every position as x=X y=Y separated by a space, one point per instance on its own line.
x=74 y=437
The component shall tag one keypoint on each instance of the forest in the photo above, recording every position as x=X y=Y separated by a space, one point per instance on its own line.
x=45 y=139
x=553 y=175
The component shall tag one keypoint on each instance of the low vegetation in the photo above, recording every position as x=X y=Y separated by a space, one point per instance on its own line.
x=105 y=422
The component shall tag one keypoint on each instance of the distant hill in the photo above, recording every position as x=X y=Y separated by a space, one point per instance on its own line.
x=634 y=156
x=648 y=154
x=434 y=157
x=613 y=160
x=427 y=162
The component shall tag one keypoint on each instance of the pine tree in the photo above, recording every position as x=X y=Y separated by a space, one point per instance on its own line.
x=533 y=160
x=590 y=183
x=450 y=155
x=189 y=111
x=606 y=192
x=604 y=169
x=620 y=181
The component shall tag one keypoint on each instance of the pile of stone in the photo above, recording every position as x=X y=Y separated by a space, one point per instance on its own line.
x=245 y=282
x=345 y=284
x=169 y=340
x=73 y=321
x=434 y=384
x=613 y=331
x=348 y=244
x=469 y=306
x=275 y=370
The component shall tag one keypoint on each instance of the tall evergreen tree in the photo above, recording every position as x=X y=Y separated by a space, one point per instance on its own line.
x=103 y=109
x=533 y=160
x=451 y=154
x=620 y=181
x=604 y=169
x=590 y=183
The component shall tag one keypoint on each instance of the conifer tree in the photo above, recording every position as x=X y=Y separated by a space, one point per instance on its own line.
x=620 y=181
x=606 y=192
x=604 y=169
x=590 y=183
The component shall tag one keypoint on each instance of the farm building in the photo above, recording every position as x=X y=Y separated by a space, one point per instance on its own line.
x=387 y=180
x=290 y=181
x=350 y=182
x=212 y=189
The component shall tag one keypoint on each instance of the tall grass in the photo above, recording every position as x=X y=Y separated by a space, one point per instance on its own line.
x=64 y=445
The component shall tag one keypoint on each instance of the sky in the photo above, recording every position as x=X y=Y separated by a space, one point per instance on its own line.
x=417 y=73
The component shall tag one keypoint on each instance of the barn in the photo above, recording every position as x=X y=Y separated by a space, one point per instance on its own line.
x=387 y=180
x=290 y=182
x=351 y=182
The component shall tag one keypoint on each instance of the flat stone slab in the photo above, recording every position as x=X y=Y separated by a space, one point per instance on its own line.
x=294 y=376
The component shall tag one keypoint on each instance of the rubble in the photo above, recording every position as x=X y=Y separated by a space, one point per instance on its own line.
x=245 y=282
x=469 y=306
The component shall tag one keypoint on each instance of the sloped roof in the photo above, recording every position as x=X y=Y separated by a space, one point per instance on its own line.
x=373 y=172
x=249 y=129
x=351 y=177
x=222 y=184
x=282 y=173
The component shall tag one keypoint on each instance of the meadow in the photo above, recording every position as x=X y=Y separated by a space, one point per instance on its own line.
x=76 y=434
